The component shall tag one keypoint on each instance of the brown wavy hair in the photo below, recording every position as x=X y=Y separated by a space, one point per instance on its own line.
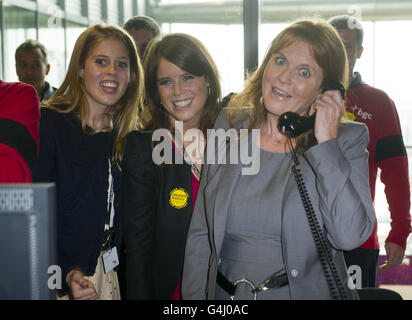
x=72 y=93
x=328 y=51
x=189 y=54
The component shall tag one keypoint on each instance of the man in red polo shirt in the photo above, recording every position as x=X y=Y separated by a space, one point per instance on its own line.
x=386 y=151
x=19 y=131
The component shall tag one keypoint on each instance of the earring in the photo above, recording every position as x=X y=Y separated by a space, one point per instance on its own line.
x=208 y=90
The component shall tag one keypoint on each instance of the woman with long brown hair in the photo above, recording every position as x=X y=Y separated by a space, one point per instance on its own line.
x=82 y=133
x=183 y=93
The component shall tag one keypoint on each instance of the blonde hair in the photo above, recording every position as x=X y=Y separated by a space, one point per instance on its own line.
x=72 y=92
x=327 y=49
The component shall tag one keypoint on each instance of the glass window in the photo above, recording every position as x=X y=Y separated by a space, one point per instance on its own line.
x=51 y=35
x=73 y=31
x=95 y=10
x=191 y=1
x=50 y=2
x=268 y=32
x=366 y=64
x=393 y=63
x=73 y=7
x=113 y=12
x=128 y=10
x=229 y=62
x=19 y=25
x=218 y=25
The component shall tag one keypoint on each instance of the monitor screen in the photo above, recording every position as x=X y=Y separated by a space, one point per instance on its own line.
x=27 y=241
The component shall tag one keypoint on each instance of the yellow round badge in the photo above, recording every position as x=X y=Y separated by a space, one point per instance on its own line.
x=178 y=198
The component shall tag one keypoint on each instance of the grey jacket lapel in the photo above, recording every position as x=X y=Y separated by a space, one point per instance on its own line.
x=227 y=182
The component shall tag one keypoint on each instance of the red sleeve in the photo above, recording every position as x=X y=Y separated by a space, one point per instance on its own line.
x=19 y=102
x=13 y=168
x=392 y=159
x=395 y=177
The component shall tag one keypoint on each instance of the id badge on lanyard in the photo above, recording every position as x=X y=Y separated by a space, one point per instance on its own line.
x=110 y=257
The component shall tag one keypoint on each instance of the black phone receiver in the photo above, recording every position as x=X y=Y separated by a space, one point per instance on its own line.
x=293 y=125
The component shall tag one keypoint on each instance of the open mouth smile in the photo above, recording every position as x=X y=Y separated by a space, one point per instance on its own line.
x=182 y=103
x=109 y=86
x=280 y=93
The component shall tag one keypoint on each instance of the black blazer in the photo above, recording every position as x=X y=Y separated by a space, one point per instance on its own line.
x=155 y=229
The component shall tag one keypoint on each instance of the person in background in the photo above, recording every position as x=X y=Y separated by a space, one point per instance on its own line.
x=250 y=237
x=182 y=89
x=387 y=152
x=19 y=131
x=142 y=29
x=32 y=67
x=82 y=132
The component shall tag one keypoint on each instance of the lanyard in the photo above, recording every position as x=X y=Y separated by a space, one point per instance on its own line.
x=186 y=158
x=110 y=200
x=108 y=227
x=192 y=164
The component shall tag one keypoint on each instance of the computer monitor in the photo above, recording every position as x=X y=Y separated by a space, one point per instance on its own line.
x=27 y=241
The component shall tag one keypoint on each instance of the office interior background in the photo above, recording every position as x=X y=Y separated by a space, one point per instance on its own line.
x=236 y=32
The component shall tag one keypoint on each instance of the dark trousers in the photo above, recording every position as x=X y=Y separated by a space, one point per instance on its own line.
x=367 y=260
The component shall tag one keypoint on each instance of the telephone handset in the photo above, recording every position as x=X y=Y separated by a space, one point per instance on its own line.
x=293 y=125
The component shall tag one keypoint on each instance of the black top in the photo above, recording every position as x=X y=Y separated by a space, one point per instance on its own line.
x=155 y=227
x=79 y=165
x=48 y=91
x=17 y=136
x=357 y=80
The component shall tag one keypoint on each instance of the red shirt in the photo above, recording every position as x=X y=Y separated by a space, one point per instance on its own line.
x=195 y=187
x=387 y=152
x=18 y=103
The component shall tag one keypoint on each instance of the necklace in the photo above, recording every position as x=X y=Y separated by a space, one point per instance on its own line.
x=187 y=159
x=192 y=164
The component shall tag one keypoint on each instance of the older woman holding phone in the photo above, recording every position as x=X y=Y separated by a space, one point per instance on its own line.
x=250 y=237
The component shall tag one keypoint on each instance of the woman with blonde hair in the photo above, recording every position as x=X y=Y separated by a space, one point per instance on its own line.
x=82 y=132
x=251 y=236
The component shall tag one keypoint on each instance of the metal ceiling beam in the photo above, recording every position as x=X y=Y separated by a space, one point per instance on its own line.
x=231 y=12
x=251 y=22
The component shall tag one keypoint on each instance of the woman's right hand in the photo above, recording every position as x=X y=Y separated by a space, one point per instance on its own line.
x=330 y=109
x=81 y=288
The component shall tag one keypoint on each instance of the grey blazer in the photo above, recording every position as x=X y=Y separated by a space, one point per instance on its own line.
x=338 y=184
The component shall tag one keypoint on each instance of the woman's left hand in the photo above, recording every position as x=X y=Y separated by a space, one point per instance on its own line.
x=330 y=109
